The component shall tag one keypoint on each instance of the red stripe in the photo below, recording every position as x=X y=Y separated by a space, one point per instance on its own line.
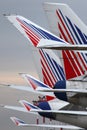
x=47 y=66
x=32 y=84
x=28 y=32
x=79 y=64
x=31 y=34
x=45 y=81
x=73 y=62
x=82 y=60
x=27 y=107
x=47 y=73
x=17 y=123
x=48 y=98
x=70 y=73
x=46 y=78
x=60 y=36
x=57 y=12
x=32 y=37
x=62 y=32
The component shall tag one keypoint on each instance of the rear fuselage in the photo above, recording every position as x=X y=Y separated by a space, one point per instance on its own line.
x=77 y=99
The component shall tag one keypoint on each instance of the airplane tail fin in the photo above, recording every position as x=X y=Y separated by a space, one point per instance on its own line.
x=64 y=16
x=17 y=121
x=66 y=24
x=49 y=67
x=30 y=30
x=34 y=83
x=28 y=106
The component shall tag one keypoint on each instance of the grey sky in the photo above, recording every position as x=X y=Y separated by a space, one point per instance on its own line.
x=15 y=55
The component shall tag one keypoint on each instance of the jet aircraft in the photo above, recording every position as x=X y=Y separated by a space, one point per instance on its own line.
x=50 y=67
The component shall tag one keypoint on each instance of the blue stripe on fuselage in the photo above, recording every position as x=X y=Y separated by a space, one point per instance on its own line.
x=45 y=106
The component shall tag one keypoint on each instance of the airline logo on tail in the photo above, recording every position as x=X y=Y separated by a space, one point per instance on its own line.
x=75 y=63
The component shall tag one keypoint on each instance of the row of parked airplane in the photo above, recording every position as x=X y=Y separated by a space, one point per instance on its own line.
x=61 y=65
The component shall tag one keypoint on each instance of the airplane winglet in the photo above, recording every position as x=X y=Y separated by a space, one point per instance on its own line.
x=58 y=45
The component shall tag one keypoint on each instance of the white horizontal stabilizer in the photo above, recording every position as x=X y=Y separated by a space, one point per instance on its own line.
x=27 y=89
x=57 y=45
x=18 y=108
x=83 y=91
x=20 y=122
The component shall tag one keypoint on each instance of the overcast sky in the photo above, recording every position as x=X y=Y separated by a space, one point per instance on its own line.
x=15 y=55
